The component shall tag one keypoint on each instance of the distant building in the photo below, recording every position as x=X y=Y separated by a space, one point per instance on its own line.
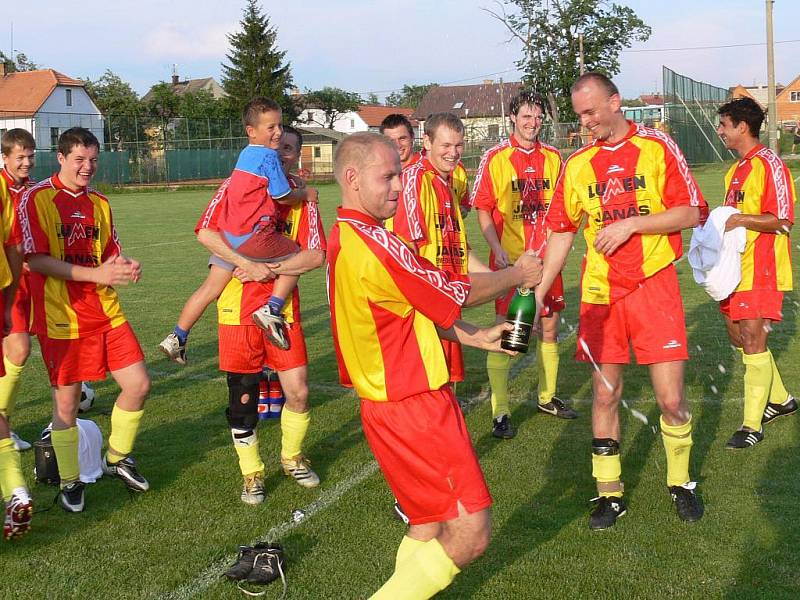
x=204 y=84
x=46 y=103
x=368 y=117
x=319 y=144
x=787 y=98
x=483 y=108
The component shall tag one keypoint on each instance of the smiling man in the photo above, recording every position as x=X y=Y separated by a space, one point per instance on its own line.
x=761 y=187
x=513 y=188
x=636 y=192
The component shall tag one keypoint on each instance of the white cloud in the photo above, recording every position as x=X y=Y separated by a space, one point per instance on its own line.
x=171 y=41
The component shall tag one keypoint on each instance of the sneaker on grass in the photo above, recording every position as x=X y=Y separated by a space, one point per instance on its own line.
x=687 y=504
x=744 y=438
x=19 y=511
x=274 y=326
x=253 y=488
x=20 y=444
x=502 y=428
x=299 y=467
x=606 y=511
x=71 y=497
x=558 y=408
x=774 y=411
x=127 y=472
x=172 y=347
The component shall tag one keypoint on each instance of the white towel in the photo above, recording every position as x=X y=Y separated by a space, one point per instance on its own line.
x=90 y=446
x=715 y=254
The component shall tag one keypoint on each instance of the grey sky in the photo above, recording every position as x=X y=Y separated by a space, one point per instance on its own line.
x=380 y=45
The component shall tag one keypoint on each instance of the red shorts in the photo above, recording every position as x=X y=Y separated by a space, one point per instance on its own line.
x=753 y=304
x=246 y=349
x=424 y=450
x=21 y=311
x=89 y=358
x=650 y=318
x=553 y=300
x=455 y=360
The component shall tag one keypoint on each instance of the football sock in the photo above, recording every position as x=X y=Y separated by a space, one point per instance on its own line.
x=407 y=547
x=422 y=575
x=757 y=384
x=547 y=363
x=276 y=304
x=497 y=367
x=246 y=443
x=293 y=431
x=778 y=394
x=181 y=334
x=9 y=384
x=607 y=467
x=10 y=469
x=678 y=446
x=124 y=427
x=65 y=445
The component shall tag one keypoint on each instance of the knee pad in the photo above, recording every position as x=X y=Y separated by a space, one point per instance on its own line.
x=605 y=446
x=242 y=415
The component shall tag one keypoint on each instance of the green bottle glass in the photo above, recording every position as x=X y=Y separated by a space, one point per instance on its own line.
x=521 y=312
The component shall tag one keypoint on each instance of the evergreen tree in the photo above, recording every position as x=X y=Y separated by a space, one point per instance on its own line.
x=257 y=67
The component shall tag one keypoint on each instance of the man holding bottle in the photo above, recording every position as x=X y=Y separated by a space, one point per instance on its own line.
x=512 y=192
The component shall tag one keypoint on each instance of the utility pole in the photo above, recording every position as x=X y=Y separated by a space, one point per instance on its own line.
x=580 y=52
x=503 y=109
x=772 y=113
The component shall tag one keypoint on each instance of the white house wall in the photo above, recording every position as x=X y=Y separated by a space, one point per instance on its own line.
x=55 y=113
x=345 y=123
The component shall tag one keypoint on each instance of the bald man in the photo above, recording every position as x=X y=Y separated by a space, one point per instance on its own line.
x=389 y=309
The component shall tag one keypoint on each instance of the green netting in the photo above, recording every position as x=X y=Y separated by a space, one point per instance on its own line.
x=691 y=117
x=113 y=167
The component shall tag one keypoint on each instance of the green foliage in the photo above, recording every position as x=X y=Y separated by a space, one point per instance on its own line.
x=163 y=101
x=372 y=98
x=257 y=67
x=410 y=97
x=333 y=102
x=549 y=33
x=22 y=63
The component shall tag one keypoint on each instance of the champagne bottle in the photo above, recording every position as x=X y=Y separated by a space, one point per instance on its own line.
x=521 y=312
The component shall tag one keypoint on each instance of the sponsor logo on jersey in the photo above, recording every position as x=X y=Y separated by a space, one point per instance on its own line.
x=616 y=186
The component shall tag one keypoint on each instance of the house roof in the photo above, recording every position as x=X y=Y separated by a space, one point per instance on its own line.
x=313 y=134
x=760 y=93
x=374 y=114
x=652 y=98
x=191 y=86
x=23 y=93
x=464 y=101
x=791 y=86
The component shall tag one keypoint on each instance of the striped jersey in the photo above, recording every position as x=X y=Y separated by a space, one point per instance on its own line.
x=515 y=186
x=643 y=174
x=75 y=227
x=428 y=217
x=459 y=178
x=385 y=306
x=256 y=181
x=10 y=196
x=760 y=183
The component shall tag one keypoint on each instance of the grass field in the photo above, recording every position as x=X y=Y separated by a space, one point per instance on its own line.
x=174 y=541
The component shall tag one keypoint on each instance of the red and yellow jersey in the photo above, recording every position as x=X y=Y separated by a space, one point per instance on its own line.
x=515 y=186
x=644 y=174
x=385 y=306
x=459 y=180
x=760 y=184
x=75 y=227
x=10 y=196
x=428 y=218
x=300 y=223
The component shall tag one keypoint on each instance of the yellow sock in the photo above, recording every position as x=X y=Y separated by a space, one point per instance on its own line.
x=547 y=361
x=245 y=442
x=65 y=445
x=678 y=446
x=497 y=367
x=10 y=469
x=124 y=427
x=607 y=470
x=407 y=547
x=757 y=384
x=9 y=384
x=422 y=575
x=293 y=431
x=778 y=394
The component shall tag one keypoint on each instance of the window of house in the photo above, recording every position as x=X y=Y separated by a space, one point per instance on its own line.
x=458 y=105
x=794 y=96
x=69 y=97
x=54 y=133
x=317 y=152
x=352 y=123
x=493 y=131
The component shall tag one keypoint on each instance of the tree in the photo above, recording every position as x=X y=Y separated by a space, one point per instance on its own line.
x=372 y=98
x=162 y=101
x=257 y=67
x=21 y=64
x=411 y=95
x=333 y=102
x=549 y=32
x=119 y=103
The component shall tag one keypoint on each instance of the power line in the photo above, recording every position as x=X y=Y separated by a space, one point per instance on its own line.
x=706 y=47
x=444 y=82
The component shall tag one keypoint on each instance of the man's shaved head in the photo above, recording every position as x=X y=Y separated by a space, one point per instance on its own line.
x=356 y=150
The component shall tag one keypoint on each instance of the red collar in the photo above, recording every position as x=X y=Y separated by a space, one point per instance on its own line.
x=514 y=143
x=12 y=185
x=632 y=129
x=352 y=214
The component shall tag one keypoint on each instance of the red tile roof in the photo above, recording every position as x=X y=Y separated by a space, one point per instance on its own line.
x=374 y=114
x=481 y=100
x=22 y=94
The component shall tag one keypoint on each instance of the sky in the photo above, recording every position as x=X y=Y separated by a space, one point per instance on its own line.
x=379 y=45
